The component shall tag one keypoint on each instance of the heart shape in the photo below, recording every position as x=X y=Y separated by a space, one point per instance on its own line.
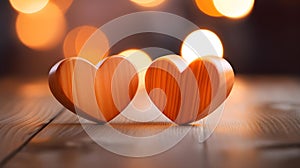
x=188 y=92
x=95 y=93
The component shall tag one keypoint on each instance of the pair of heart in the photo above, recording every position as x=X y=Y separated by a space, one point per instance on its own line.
x=182 y=92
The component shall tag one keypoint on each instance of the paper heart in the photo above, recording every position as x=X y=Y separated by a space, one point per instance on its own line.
x=90 y=91
x=187 y=93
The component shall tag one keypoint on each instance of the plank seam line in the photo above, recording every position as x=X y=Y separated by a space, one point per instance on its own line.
x=14 y=152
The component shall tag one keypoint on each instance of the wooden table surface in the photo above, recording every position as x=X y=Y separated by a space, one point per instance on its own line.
x=260 y=127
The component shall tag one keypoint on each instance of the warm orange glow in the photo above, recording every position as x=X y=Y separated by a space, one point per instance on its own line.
x=28 y=6
x=208 y=7
x=63 y=4
x=37 y=88
x=76 y=39
x=234 y=8
x=201 y=43
x=41 y=30
x=148 y=3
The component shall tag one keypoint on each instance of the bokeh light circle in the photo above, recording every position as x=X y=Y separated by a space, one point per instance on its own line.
x=28 y=6
x=139 y=58
x=195 y=45
x=148 y=3
x=234 y=8
x=208 y=7
x=76 y=38
x=41 y=30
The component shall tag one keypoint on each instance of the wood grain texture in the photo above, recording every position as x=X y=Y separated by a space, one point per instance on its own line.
x=25 y=109
x=79 y=72
x=188 y=93
x=259 y=128
x=95 y=93
x=116 y=84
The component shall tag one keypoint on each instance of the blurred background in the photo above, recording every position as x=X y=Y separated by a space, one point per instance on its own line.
x=258 y=37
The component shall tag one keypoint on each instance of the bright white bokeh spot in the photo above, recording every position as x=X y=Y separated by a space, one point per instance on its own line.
x=138 y=58
x=201 y=43
x=28 y=6
x=234 y=8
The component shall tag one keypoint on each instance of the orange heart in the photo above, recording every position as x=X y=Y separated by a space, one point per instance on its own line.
x=188 y=92
x=81 y=87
